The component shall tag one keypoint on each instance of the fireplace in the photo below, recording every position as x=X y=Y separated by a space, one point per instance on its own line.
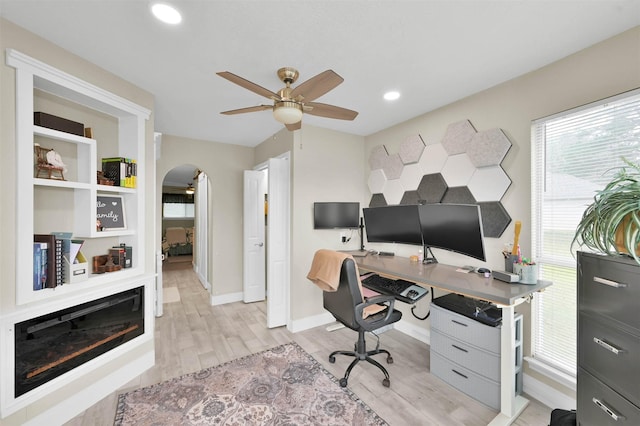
x=53 y=344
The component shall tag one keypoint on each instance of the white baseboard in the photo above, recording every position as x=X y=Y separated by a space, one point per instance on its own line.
x=311 y=322
x=546 y=394
x=226 y=298
x=418 y=333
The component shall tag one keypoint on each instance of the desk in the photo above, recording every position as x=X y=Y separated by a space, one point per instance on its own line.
x=506 y=296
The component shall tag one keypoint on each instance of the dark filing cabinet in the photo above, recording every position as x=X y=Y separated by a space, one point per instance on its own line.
x=608 y=340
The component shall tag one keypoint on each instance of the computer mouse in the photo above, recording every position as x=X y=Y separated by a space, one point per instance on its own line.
x=483 y=270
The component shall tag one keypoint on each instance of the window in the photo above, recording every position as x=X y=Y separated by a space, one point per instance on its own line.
x=177 y=206
x=572 y=154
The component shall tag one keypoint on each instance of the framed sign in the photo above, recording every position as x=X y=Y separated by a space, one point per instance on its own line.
x=110 y=213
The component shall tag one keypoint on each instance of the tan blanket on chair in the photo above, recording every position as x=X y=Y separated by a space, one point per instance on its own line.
x=325 y=273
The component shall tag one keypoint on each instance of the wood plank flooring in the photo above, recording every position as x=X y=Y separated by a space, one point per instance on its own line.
x=191 y=335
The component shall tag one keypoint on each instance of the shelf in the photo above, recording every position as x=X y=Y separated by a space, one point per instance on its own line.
x=62 y=136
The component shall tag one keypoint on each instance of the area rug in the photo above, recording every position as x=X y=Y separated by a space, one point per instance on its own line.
x=280 y=386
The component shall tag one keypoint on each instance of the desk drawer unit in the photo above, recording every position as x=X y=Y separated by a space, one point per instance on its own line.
x=466 y=354
x=608 y=340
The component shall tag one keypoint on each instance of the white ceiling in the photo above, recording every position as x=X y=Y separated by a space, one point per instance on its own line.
x=433 y=52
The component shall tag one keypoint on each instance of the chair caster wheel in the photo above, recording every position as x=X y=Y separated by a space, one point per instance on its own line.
x=343 y=382
x=332 y=359
x=386 y=383
x=389 y=360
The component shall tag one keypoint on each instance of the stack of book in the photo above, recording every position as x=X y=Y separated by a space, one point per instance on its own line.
x=122 y=171
x=48 y=265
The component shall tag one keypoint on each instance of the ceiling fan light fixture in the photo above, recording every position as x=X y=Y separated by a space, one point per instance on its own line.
x=190 y=190
x=287 y=112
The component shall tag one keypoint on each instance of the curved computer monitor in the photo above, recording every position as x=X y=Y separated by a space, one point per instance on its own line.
x=453 y=227
x=336 y=215
x=393 y=224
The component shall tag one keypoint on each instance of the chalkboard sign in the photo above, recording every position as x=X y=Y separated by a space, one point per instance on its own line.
x=110 y=213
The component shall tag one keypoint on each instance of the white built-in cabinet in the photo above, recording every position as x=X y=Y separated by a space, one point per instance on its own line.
x=48 y=205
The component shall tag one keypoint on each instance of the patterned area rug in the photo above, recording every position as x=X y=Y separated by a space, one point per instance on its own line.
x=280 y=386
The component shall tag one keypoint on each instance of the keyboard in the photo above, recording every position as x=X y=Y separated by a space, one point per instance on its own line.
x=478 y=310
x=402 y=290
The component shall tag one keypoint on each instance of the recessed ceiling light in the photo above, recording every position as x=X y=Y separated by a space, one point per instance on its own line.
x=166 y=13
x=392 y=96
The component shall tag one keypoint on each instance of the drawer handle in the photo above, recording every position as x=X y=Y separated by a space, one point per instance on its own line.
x=608 y=346
x=607 y=410
x=610 y=283
x=459 y=323
x=459 y=373
x=459 y=348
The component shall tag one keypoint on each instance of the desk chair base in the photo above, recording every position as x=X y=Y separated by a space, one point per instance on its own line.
x=361 y=354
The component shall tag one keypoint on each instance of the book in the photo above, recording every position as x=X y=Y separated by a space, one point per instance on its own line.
x=52 y=262
x=40 y=251
x=121 y=170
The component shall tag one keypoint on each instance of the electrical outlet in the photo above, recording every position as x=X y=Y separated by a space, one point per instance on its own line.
x=343 y=237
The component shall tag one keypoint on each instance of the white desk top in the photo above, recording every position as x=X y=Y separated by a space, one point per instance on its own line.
x=445 y=277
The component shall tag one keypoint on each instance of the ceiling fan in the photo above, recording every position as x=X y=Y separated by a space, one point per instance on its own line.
x=290 y=102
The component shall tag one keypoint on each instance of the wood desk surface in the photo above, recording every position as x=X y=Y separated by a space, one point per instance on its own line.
x=445 y=277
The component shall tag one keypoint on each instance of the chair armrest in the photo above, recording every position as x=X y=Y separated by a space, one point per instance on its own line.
x=372 y=325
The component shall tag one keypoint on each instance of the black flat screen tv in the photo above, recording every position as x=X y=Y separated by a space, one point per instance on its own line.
x=336 y=215
x=453 y=227
x=393 y=224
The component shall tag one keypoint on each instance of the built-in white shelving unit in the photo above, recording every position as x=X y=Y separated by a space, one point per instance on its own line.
x=72 y=205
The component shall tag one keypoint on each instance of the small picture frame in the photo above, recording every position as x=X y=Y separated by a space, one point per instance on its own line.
x=110 y=213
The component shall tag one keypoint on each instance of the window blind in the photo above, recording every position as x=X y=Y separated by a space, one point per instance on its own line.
x=573 y=156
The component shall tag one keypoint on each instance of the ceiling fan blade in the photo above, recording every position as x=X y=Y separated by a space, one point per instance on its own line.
x=248 y=109
x=317 y=86
x=294 y=126
x=248 y=85
x=330 y=111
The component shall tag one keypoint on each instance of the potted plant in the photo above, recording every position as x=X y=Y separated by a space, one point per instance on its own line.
x=611 y=224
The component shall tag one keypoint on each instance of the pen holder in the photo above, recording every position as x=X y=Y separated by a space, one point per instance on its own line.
x=509 y=261
x=528 y=273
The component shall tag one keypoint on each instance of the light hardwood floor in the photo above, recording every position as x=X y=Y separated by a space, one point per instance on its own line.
x=191 y=335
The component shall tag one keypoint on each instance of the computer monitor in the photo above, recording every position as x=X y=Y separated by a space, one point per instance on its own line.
x=336 y=215
x=453 y=227
x=393 y=224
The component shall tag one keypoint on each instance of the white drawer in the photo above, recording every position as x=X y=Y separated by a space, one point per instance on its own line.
x=476 y=386
x=485 y=363
x=465 y=329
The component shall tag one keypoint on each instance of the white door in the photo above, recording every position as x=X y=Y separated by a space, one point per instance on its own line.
x=278 y=238
x=253 y=237
x=201 y=253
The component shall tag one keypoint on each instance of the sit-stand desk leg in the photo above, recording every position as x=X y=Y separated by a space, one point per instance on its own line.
x=511 y=405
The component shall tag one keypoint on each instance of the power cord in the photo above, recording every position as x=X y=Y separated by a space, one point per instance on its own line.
x=428 y=313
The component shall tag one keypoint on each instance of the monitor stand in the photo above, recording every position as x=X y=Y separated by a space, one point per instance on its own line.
x=429 y=257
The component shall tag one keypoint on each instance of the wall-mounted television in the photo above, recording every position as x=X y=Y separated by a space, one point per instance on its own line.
x=453 y=227
x=393 y=224
x=336 y=215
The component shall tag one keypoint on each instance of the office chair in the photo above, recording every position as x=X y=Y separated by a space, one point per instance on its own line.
x=347 y=306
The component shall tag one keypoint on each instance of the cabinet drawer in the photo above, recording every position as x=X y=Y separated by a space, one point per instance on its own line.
x=610 y=354
x=598 y=405
x=465 y=329
x=609 y=286
x=478 y=387
x=484 y=363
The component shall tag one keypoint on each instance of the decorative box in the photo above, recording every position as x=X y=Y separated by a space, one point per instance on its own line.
x=58 y=123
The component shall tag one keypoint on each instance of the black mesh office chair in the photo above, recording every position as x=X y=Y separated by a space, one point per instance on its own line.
x=346 y=305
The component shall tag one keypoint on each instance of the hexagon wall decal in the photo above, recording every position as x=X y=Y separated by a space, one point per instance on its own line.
x=457 y=137
x=392 y=166
x=458 y=195
x=411 y=149
x=488 y=148
x=378 y=157
x=376 y=181
x=410 y=197
x=393 y=191
x=377 y=200
x=458 y=169
x=410 y=176
x=433 y=159
x=495 y=219
x=432 y=188
x=489 y=183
